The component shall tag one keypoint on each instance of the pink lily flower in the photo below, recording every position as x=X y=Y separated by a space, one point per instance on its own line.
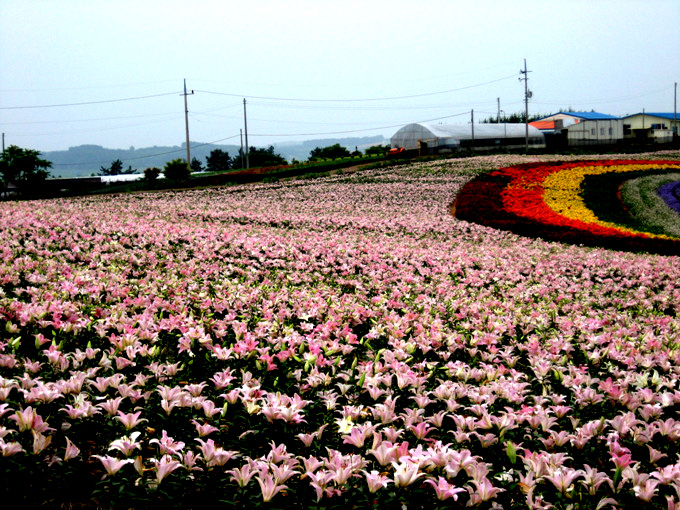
x=483 y=491
x=164 y=467
x=444 y=489
x=126 y=444
x=376 y=480
x=28 y=419
x=307 y=439
x=72 y=451
x=647 y=490
x=111 y=405
x=311 y=464
x=563 y=478
x=655 y=455
x=592 y=479
x=320 y=481
x=209 y=408
x=215 y=455
x=269 y=487
x=112 y=464
x=384 y=453
x=405 y=473
x=189 y=460
x=421 y=430
x=130 y=420
x=356 y=437
x=282 y=472
x=242 y=475
x=9 y=449
x=168 y=446
x=204 y=429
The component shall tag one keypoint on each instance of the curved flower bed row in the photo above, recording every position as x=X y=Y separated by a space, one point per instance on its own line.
x=576 y=202
x=336 y=343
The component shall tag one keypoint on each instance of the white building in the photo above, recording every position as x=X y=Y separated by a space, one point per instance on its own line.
x=442 y=138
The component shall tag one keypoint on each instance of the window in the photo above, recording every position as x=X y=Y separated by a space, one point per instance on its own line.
x=611 y=131
x=592 y=131
x=602 y=131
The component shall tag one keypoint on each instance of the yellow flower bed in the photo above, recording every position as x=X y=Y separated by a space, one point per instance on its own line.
x=562 y=192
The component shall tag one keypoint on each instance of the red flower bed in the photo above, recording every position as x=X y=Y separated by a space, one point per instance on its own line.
x=512 y=198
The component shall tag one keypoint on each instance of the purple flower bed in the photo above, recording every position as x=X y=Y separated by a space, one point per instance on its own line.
x=670 y=193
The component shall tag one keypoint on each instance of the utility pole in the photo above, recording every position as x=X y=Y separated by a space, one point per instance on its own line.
x=243 y=156
x=675 y=115
x=527 y=95
x=186 y=120
x=3 y=142
x=472 y=123
x=245 y=125
x=498 y=117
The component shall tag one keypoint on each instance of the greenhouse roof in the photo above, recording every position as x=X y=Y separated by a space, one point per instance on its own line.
x=464 y=131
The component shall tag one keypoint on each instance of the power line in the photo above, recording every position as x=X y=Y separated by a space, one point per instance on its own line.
x=68 y=121
x=358 y=99
x=553 y=102
x=86 y=102
x=108 y=86
x=23 y=107
x=102 y=129
x=360 y=130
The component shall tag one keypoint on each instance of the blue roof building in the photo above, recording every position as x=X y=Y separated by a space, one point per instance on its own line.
x=579 y=116
x=659 y=126
x=587 y=128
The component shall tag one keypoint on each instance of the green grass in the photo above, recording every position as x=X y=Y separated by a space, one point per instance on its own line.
x=640 y=195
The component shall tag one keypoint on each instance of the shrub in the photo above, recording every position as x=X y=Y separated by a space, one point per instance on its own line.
x=177 y=170
x=151 y=174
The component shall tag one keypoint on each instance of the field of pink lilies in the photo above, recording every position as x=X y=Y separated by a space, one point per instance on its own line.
x=340 y=342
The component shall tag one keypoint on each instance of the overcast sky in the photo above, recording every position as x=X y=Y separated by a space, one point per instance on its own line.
x=317 y=69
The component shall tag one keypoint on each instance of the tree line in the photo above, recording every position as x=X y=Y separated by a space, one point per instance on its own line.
x=22 y=171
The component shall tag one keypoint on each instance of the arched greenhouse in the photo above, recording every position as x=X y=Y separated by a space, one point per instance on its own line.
x=441 y=138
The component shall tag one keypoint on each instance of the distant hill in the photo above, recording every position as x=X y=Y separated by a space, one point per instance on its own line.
x=86 y=160
x=301 y=150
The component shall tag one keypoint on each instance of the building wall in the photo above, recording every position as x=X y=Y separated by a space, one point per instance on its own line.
x=595 y=132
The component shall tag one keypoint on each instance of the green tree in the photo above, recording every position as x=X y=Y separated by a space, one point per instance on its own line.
x=377 y=150
x=196 y=165
x=116 y=168
x=218 y=161
x=513 y=118
x=24 y=168
x=177 y=170
x=151 y=174
x=259 y=158
x=330 y=152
